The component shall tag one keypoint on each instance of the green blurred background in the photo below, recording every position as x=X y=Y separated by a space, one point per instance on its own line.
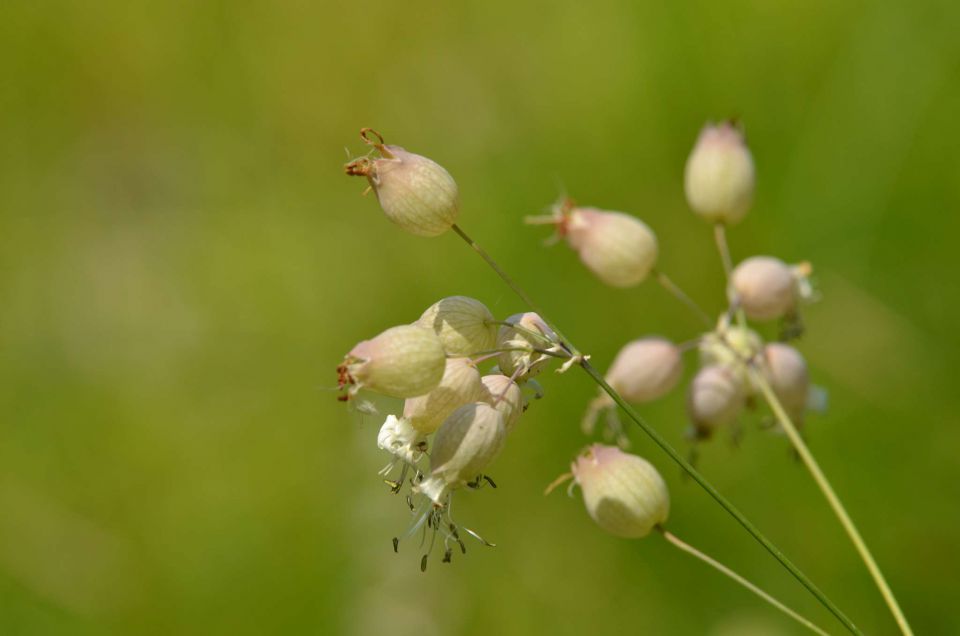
x=183 y=264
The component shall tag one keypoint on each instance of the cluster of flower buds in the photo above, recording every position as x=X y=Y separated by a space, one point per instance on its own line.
x=454 y=419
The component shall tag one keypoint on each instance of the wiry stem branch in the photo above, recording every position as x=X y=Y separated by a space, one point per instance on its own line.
x=689 y=549
x=670 y=450
x=811 y=463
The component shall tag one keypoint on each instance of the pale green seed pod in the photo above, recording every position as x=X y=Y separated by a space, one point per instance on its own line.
x=414 y=192
x=765 y=287
x=520 y=361
x=786 y=371
x=719 y=176
x=620 y=249
x=464 y=445
x=623 y=493
x=716 y=398
x=460 y=385
x=402 y=362
x=465 y=325
x=504 y=395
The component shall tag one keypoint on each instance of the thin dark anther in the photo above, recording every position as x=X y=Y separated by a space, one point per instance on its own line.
x=396 y=544
x=489 y=481
x=410 y=503
x=394 y=485
x=463 y=548
x=447 y=555
x=423 y=563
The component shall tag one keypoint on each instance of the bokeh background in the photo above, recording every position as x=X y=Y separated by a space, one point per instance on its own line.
x=183 y=264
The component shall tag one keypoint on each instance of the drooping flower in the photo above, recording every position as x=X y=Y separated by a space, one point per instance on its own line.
x=767 y=288
x=416 y=193
x=619 y=248
x=460 y=385
x=520 y=340
x=716 y=398
x=464 y=445
x=719 y=175
x=402 y=362
x=504 y=395
x=623 y=493
x=465 y=325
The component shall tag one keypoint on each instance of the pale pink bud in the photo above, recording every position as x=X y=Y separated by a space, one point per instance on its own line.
x=786 y=371
x=504 y=395
x=401 y=362
x=646 y=369
x=766 y=287
x=415 y=193
x=467 y=442
x=719 y=175
x=460 y=385
x=620 y=249
x=623 y=493
x=716 y=397
x=520 y=361
x=464 y=324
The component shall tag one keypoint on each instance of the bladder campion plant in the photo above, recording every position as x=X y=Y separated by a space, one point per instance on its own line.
x=457 y=417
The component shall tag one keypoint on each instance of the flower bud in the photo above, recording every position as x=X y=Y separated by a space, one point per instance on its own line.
x=415 y=193
x=766 y=287
x=460 y=385
x=523 y=362
x=504 y=395
x=715 y=399
x=465 y=325
x=623 y=493
x=463 y=447
x=732 y=348
x=401 y=362
x=786 y=371
x=645 y=369
x=719 y=176
x=620 y=249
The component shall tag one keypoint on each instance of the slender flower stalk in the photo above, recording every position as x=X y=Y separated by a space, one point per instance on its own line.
x=838 y=508
x=667 y=283
x=661 y=442
x=720 y=236
x=689 y=549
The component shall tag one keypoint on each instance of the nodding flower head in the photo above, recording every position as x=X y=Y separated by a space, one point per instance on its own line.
x=715 y=398
x=767 y=288
x=623 y=493
x=520 y=340
x=719 y=176
x=646 y=369
x=415 y=193
x=465 y=444
x=465 y=325
x=460 y=385
x=619 y=248
x=504 y=395
x=786 y=371
x=401 y=362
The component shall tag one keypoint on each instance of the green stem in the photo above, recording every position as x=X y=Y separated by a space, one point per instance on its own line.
x=689 y=549
x=667 y=283
x=670 y=450
x=720 y=236
x=811 y=463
